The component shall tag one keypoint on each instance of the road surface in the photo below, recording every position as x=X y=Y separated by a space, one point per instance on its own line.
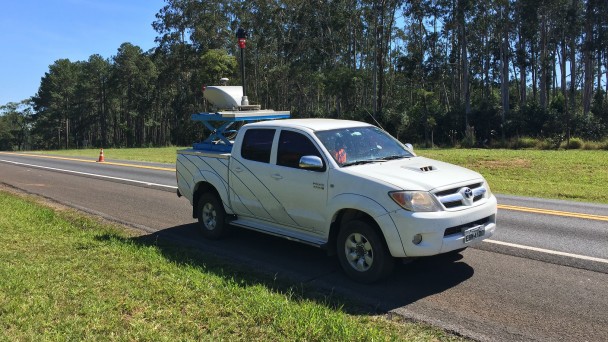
x=543 y=276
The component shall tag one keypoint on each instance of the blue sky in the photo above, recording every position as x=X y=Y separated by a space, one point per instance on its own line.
x=36 y=33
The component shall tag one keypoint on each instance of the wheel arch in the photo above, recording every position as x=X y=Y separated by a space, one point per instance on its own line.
x=350 y=206
x=346 y=215
x=200 y=189
x=340 y=218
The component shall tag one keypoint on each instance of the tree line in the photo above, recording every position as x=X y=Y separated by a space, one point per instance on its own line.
x=442 y=72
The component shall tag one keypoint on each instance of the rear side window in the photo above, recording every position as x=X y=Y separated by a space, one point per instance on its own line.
x=292 y=147
x=257 y=144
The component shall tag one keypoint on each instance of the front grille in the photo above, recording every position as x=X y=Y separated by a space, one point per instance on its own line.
x=456 y=197
x=455 y=190
x=452 y=204
x=458 y=229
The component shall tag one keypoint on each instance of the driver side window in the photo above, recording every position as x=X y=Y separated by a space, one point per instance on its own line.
x=292 y=147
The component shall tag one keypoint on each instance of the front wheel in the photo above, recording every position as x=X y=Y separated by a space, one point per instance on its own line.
x=362 y=252
x=211 y=216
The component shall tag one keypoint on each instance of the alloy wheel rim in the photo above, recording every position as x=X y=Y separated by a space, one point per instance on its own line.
x=359 y=252
x=209 y=216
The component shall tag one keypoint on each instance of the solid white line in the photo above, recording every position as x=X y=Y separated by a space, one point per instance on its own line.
x=548 y=251
x=90 y=174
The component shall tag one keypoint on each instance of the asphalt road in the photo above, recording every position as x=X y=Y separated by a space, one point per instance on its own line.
x=543 y=276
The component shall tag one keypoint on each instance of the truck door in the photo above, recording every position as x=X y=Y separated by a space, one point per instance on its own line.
x=250 y=172
x=302 y=193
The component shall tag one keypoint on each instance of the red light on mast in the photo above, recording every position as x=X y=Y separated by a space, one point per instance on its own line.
x=241 y=34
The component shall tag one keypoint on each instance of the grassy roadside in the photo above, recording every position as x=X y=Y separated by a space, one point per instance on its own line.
x=577 y=175
x=152 y=154
x=571 y=175
x=64 y=276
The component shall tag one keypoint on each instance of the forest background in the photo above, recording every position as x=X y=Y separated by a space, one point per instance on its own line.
x=432 y=72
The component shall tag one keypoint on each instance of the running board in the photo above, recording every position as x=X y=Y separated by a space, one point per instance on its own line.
x=266 y=229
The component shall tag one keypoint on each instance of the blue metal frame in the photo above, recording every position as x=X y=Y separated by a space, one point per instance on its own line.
x=217 y=140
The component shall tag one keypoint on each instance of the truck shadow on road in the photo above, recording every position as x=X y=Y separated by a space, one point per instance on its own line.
x=283 y=265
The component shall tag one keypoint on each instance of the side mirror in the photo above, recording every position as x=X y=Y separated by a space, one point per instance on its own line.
x=313 y=163
x=410 y=147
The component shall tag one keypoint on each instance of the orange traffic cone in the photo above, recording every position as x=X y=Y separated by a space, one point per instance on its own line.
x=101 y=159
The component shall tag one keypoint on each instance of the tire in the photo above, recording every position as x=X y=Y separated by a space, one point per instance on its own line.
x=362 y=252
x=211 y=216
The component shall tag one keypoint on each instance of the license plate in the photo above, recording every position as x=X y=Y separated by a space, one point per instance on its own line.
x=471 y=234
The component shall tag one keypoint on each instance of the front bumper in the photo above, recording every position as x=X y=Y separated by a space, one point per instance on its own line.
x=442 y=231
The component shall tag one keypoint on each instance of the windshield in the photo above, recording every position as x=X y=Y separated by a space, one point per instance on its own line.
x=361 y=145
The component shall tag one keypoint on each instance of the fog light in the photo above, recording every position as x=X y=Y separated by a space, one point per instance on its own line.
x=417 y=239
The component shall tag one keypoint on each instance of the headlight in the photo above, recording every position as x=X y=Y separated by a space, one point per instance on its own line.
x=415 y=200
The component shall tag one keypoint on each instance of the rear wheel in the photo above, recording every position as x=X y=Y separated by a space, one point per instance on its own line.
x=362 y=252
x=211 y=216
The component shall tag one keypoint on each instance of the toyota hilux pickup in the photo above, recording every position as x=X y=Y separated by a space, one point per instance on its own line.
x=344 y=186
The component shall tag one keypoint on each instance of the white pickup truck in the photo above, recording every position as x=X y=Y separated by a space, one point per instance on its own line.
x=345 y=186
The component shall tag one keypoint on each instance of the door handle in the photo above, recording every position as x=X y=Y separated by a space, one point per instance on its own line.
x=276 y=176
x=238 y=169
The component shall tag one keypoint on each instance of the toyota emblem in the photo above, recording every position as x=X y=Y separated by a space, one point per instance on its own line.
x=468 y=193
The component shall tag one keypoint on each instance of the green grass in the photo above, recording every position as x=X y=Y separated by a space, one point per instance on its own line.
x=64 y=276
x=565 y=174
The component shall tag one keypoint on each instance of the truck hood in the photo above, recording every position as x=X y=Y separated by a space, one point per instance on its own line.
x=416 y=173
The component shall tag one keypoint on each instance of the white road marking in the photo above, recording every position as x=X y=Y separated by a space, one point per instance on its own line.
x=90 y=174
x=548 y=251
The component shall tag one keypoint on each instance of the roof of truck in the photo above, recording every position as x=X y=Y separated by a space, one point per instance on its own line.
x=311 y=124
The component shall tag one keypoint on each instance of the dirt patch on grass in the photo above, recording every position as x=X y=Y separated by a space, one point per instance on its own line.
x=516 y=163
